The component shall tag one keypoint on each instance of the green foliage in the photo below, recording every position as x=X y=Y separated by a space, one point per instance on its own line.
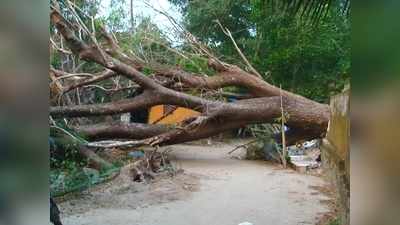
x=255 y=151
x=335 y=221
x=65 y=149
x=312 y=10
x=68 y=170
x=117 y=19
x=77 y=179
x=55 y=60
x=69 y=155
x=147 y=41
x=195 y=64
x=311 y=60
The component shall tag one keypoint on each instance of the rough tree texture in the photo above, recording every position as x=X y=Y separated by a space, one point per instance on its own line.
x=306 y=118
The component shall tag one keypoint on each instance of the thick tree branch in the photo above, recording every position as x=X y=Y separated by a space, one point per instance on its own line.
x=143 y=101
x=120 y=130
x=103 y=76
x=117 y=52
x=303 y=114
x=93 y=54
x=226 y=117
x=228 y=33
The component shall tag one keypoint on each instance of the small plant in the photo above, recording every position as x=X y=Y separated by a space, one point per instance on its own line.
x=334 y=222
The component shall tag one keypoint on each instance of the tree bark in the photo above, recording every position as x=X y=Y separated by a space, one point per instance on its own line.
x=308 y=118
x=133 y=131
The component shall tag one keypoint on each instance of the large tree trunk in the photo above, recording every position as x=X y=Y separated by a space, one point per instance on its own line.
x=133 y=131
x=307 y=119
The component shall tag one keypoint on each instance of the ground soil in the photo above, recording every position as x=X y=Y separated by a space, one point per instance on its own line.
x=214 y=189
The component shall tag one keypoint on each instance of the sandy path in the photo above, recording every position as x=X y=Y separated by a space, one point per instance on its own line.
x=215 y=190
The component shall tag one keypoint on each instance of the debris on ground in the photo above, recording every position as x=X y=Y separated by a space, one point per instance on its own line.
x=271 y=152
x=331 y=216
x=305 y=157
x=245 y=223
x=209 y=171
x=123 y=193
x=255 y=151
x=136 y=154
x=148 y=164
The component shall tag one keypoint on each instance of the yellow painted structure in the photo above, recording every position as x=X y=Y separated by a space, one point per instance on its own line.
x=162 y=114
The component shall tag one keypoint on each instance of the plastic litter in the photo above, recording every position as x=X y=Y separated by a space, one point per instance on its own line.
x=245 y=223
x=136 y=154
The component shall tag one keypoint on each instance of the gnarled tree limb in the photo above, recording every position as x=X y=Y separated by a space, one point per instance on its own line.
x=303 y=114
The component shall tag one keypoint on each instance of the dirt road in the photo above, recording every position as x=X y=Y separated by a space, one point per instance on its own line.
x=215 y=189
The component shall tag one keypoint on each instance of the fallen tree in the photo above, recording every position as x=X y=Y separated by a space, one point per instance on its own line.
x=306 y=119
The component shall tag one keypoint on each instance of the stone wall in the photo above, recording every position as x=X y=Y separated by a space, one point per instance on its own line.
x=336 y=152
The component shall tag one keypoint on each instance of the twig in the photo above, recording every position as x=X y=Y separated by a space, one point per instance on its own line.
x=189 y=37
x=58 y=48
x=242 y=146
x=115 y=144
x=83 y=26
x=68 y=133
x=283 y=130
x=102 y=76
x=113 y=89
x=73 y=75
x=229 y=34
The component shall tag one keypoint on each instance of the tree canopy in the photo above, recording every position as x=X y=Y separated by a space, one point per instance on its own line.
x=311 y=58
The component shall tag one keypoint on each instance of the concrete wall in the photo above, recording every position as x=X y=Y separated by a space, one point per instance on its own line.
x=336 y=152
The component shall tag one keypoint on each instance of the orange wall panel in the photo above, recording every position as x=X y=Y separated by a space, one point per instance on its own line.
x=179 y=115
x=157 y=112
